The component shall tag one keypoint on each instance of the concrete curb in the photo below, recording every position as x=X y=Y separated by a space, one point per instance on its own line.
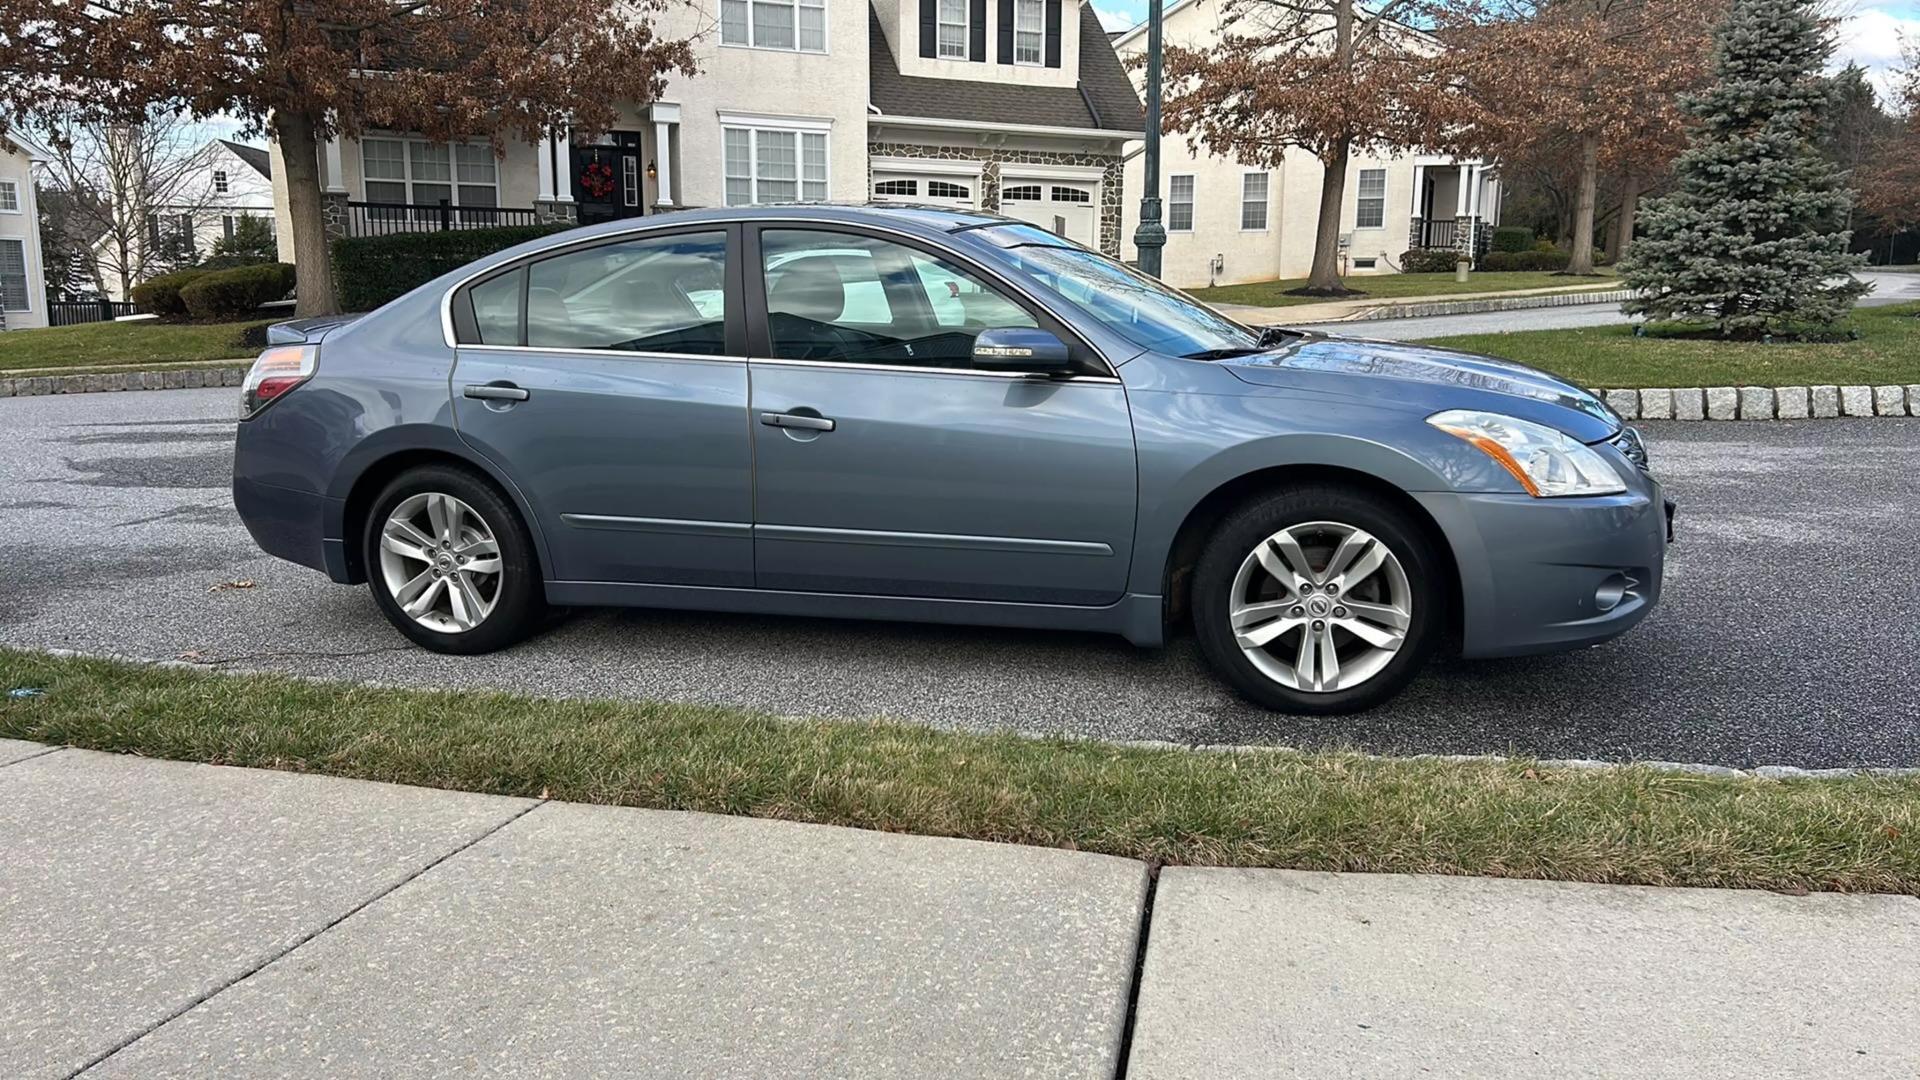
x=1764 y=402
x=1763 y=772
x=1474 y=307
x=176 y=379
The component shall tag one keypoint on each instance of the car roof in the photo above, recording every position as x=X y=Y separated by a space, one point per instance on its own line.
x=911 y=216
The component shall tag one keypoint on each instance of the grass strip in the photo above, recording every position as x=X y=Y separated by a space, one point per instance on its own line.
x=1397 y=287
x=1611 y=357
x=1321 y=811
x=123 y=344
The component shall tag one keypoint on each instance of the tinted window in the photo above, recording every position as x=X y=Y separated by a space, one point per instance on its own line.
x=496 y=309
x=662 y=294
x=835 y=296
x=1129 y=303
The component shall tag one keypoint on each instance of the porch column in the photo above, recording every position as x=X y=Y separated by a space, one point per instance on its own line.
x=336 y=175
x=665 y=118
x=1461 y=189
x=1416 y=228
x=1419 y=185
x=552 y=152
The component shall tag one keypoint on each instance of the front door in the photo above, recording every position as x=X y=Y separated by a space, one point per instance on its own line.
x=609 y=383
x=608 y=178
x=884 y=464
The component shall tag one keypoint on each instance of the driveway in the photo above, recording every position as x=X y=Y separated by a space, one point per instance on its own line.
x=1889 y=288
x=1787 y=636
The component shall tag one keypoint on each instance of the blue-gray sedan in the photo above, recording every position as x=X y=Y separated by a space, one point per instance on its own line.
x=926 y=414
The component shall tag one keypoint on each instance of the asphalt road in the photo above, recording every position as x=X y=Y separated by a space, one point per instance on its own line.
x=1889 y=288
x=1790 y=633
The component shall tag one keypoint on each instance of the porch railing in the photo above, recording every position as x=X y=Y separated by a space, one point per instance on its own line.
x=75 y=312
x=1436 y=235
x=383 y=218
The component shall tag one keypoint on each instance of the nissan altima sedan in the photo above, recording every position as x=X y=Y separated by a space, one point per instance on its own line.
x=925 y=414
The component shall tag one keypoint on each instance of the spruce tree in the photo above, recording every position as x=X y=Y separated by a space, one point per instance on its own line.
x=1753 y=238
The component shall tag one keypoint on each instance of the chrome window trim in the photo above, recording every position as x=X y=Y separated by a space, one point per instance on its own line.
x=1018 y=289
x=601 y=354
x=851 y=365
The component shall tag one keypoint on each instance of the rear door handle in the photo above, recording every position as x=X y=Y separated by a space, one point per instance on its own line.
x=497 y=392
x=796 y=420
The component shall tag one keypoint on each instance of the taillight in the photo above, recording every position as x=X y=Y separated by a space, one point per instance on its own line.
x=278 y=370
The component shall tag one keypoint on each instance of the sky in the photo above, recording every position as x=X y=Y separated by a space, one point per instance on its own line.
x=1870 y=31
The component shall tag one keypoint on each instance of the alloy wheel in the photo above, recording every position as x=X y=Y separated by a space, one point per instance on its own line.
x=1320 y=606
x=440 y=562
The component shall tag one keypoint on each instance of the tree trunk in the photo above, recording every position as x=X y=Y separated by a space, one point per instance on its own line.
x=1582 y=260
x=1629 y=206
x=299 y=151
x=1325 y=275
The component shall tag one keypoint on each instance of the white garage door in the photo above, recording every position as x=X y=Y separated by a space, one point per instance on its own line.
x=905 y=187
x=1062 y=207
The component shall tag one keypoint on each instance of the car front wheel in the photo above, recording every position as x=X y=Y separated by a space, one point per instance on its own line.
x=451 y=564
x=1317 y=600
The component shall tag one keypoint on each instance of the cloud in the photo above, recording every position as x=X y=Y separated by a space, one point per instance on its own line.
x=1872 y=37
x=1116 y=18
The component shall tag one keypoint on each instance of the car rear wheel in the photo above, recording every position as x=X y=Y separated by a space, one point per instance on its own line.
x=1317 y=600
x=451 y=564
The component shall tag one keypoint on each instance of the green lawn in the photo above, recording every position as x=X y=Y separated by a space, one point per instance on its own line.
x=122 y=343
x=1611 y=357
x=1324 y=811
x=1394 y=286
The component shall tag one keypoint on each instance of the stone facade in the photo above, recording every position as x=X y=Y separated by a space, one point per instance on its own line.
x=1111 y=166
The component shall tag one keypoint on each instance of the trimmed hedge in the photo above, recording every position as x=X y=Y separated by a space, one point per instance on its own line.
x=1427 y=261
x=224 y=294
x=372 y=270
x=1513 y=238
x=161 y=294
x=1524 y=260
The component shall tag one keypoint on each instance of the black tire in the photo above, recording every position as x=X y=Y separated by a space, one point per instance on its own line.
x=1248 y=526
x=519 y=605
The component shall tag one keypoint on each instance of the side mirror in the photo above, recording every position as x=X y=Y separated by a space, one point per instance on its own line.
x=1021 y=348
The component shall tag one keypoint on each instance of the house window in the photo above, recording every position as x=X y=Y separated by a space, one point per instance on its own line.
x=1074 y=195
x=1180 y=203
x=941 y=189
x=1253 y=201
x=9 y=196
x=1365 y=264
x=226 y=226
x=1029 y=31
x=952 y=37
x=775 y=24
x=897 y=187
x=220 y=181
x=1021 y=193
x=424 y=173
x=13 y=275
x=770 y=165
x=1372 y=210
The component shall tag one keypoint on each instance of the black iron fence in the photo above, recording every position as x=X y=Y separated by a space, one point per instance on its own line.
x=1441 y=235
x=75 y=312
x=381 y=219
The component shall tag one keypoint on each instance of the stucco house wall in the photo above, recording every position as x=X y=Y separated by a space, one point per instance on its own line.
x=21 y=226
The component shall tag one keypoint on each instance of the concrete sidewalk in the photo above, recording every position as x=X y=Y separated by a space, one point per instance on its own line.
x=162 y=920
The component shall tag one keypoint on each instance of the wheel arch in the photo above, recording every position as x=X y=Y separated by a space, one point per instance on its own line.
x=379 y=470
x=1184 y=552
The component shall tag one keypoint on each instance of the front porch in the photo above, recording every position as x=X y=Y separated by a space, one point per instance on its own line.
x=387 y=183
x=1455 y=207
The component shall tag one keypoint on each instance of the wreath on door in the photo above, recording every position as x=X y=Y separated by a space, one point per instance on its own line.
x=597 y=179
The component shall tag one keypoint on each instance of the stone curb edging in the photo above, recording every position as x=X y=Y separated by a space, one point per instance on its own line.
x=1472 y=307
x=190 y=379
x=1764 y=402
x=1762 y=772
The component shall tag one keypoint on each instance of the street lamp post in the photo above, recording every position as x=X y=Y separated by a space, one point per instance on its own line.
x=1151 y=236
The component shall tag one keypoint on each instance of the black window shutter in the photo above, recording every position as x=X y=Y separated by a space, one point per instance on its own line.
x=1053 y=31
x=1006 y=31
x=929 y=27
x=977 y=32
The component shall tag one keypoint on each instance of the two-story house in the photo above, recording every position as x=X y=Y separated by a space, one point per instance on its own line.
x=1015 y=105
x=1228 y=222
x=222 y=183
x=23 y=290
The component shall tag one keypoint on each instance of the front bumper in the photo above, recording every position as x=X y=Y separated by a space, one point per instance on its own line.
x=1544 y=575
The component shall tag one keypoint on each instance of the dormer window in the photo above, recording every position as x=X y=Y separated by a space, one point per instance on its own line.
x=953 y=30
x=1029 y=32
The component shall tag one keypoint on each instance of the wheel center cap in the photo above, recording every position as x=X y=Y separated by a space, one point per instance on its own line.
x=1319 y=606
x=444 y=561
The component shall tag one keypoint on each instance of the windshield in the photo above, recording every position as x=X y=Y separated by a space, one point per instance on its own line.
x=1132 y=304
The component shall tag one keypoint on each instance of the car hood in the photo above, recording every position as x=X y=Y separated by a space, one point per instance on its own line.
x=1416 y=372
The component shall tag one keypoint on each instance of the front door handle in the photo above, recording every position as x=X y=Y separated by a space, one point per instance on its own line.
x=496 y=392
x=796 y=420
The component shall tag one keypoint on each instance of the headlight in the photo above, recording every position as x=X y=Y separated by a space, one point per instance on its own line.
x=1547 y=462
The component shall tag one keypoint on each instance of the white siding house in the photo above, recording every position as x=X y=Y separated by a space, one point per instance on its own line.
x=23 y=289
x=1228 y=222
